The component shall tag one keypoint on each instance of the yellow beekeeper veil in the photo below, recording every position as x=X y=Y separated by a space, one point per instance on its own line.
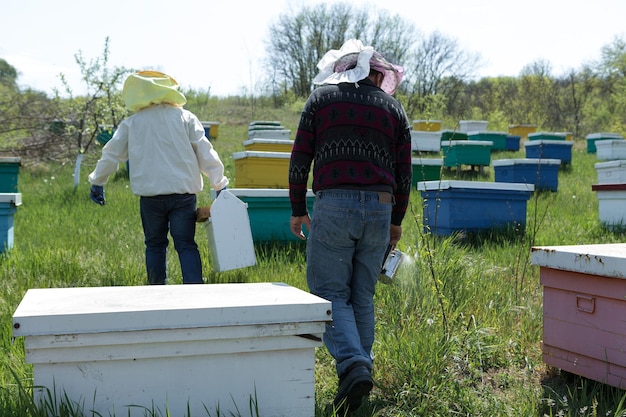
x=145 y=88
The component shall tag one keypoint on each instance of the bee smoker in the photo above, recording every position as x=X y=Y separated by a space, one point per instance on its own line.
x=392 y=261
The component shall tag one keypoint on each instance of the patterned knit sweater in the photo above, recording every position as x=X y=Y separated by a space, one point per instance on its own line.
x=357 y=137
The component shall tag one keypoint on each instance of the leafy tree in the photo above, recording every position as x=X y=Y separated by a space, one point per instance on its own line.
x=25 y=116
x=8 y=74
x=609 y=108
x=437 y=67
x=298 y=41
x=100 y=108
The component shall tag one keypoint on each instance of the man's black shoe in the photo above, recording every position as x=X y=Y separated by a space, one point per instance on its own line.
x=354 y=384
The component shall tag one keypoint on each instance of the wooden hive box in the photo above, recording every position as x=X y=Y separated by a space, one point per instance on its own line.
x=261 y=169
x=425 y=141
x=472 y=206
x=269 y=211
x=592 y=138
x=584 y=303
x=466 y=152
x=542 y=173
x=185 y=349
x=549 y=149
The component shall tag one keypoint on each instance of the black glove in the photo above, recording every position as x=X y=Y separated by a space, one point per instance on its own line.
x=97 y=194
x=217 y=193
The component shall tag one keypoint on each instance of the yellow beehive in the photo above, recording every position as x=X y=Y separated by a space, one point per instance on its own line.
x=211 y=129
x=522 y=130
x=268 y=145
x=259 y=169
x=427 y=125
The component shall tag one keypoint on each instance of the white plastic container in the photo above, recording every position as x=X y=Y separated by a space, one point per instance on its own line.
x=175 y=348
x=229 y=234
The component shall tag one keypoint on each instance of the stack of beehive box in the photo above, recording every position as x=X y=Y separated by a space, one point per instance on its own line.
x=9 y=200
x=262 y=180
x=611 y=186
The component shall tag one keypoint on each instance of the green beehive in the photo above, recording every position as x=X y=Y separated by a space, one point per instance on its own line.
x=498 y=138
x=9 y=171
x=592 y=138
x=453 y=135
x=426 y=169
x=466 y=152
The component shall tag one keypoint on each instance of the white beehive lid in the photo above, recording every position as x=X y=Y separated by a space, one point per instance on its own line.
x=486 y=132
x=261 y=154
x=525 y=161
x=539 y=142
x=264 y=192
x=13 y=198
x=476 y=185
x=466 y=143
x=59 y=311
x=268 y=141
x=425 y=134
x=604 y=135
x=607 y=260
x=427 y=161
x=610 y=164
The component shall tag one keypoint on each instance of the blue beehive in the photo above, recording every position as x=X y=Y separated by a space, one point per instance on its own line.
x=8 y=207
x=542 y=173
x=550 y=149
x=269 y=211
x=512 y=142
x=473 y=206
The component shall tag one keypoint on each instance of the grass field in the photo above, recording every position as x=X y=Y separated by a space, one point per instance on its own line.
x=458 y=332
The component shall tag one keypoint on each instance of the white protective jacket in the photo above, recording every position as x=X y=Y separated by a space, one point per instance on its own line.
x=167 y=152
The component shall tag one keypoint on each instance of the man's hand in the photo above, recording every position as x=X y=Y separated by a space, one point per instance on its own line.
x=395 y=233
x=296 y=224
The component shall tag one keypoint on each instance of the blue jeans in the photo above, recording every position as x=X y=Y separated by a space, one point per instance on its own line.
x=345 y=249
x=176 y=214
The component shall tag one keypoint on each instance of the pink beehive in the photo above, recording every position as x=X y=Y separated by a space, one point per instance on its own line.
x=584 y=302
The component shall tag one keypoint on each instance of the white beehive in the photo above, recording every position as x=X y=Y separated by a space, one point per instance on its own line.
x=124 y=350
x=425 y=141
x=611 y=172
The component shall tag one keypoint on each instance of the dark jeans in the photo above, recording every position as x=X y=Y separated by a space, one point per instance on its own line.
x=176 y=214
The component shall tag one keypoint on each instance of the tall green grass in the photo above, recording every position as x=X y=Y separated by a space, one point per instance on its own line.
x=458 y=332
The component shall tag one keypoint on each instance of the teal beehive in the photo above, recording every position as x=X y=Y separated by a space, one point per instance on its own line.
x=269 y=210
x=8 y=207
x=9 y=171
x=498 y=138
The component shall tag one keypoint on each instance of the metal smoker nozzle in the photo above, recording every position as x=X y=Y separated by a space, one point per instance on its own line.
x=392 y=261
